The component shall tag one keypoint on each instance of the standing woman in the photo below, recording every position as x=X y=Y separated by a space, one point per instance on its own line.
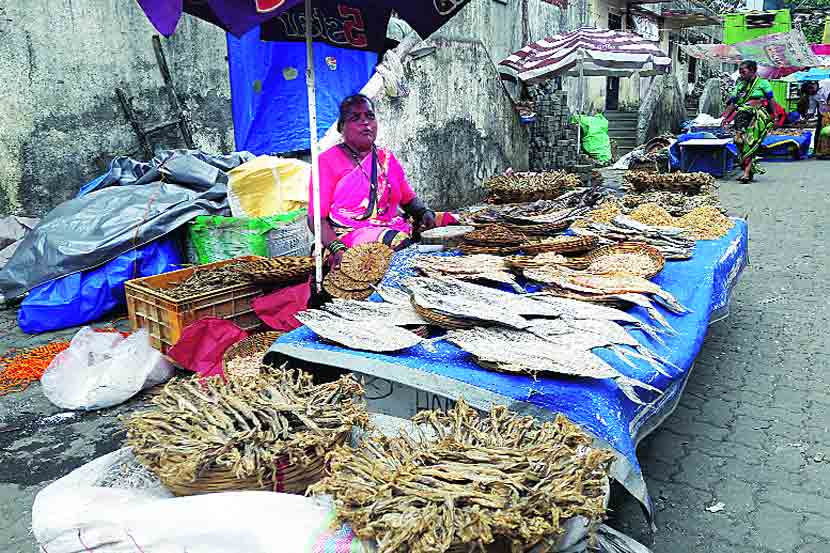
x=752 y=105
x=364 y=194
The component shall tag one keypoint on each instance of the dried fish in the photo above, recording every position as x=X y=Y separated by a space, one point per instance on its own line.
x=512 y=187
x=489 y=479
x=370 y=311
x=524 y=352
x=205 y=280
x=590 y=311
x=468 y=267
x=359 y=335
x=688 y=183
x=246 y=425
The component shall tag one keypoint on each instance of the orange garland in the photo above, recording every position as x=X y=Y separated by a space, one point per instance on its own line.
x=18 y=370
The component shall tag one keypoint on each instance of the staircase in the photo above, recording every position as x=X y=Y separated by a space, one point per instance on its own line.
x=691 y=108
x=622 y=129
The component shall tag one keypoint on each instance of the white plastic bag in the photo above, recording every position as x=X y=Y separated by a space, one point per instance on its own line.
x=76 y=515
x=102 y=369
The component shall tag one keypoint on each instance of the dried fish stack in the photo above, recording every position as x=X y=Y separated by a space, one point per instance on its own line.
x=675 y=203
x=513 y=187
x=577 y=198
x=706 y=223
x=652 y=214
x=468 y=267
x=605 y=213
x=688 y=183
x=673 y=243
x=207 y=280
x=364 y=335
x=361 y=268
x=261 y=432
x=488 y=480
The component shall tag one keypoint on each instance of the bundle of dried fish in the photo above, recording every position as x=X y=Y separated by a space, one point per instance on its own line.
x=243 y=366
x=689 y=183
x=367 y=262
x=467 y=267
x=521 y=351
x=673 y=243
x=652 y=214
x=512 y=187
x=560 y=244
x=245 y=433
x=207 y=280
x=284 y=269
x=604 y=284
x=494 y=236
x=463 y=300
x=577 y=198
x=605 y=213
x=490 y=480
x=359 y=335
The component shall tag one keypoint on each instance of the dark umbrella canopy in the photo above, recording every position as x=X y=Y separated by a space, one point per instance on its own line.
x=357 y=24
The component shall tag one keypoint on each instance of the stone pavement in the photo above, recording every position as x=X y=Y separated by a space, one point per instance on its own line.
x=753 y=427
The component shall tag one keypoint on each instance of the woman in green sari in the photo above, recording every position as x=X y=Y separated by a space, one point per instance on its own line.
x=753 y=107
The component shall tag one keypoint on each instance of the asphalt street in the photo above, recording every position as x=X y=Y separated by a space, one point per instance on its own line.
x=752 y=430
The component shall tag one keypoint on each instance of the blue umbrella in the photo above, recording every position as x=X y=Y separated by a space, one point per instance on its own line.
x=358 y=24
x=814 y=74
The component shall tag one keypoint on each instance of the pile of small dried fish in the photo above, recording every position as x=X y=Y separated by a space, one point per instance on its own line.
x=675 y=203
x=652 y=214
x=689 y=183
x=604 y=213
x=498 y=479
x=526 y=352
x=361 y=335
x=513 y=187
x=243 y=366
x=207 y=280
x=578 y=198
x=244 y=425
x=673 y=243
x=706 y=223
x=468 y=267
x=521 y=262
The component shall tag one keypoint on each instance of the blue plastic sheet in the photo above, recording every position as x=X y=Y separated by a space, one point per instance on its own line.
x=87 y=296
x=674 y=149
x=703 y=284
x=787 y=148
x=269 y=95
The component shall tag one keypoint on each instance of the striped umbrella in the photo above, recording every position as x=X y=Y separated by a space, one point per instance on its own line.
x=586 y=52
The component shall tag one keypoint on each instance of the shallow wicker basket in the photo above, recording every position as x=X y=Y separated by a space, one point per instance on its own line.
x=290 y=478
x=539 y=229
x=437 y=319
x=650 y=255
x=564 y=244
x=473 y=249
x=256 y=344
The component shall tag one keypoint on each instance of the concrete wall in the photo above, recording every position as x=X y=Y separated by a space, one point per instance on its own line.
x=456 y=128
x=60 y=120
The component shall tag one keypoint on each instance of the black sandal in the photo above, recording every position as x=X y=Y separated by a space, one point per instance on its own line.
x=744 y=179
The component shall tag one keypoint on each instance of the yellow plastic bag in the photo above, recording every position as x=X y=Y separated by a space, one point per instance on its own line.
x=267 y=186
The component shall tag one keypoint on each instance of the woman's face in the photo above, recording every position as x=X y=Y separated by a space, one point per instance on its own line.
x=746 y=73
x=360 y=127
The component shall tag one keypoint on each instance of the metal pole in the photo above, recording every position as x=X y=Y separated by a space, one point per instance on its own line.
x=315 y=155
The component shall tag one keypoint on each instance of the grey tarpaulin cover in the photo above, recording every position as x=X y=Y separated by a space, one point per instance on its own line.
x=154 y=199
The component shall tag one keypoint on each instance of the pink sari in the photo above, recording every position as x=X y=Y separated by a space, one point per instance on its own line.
x=357 y=212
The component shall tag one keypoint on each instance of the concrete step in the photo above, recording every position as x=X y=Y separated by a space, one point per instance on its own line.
x=614 y=116
x=618 y=131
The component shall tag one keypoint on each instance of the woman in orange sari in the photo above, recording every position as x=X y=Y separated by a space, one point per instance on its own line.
x=364 y=194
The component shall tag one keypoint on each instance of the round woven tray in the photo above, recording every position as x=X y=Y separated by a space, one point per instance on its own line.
x=450 y=236
x=367 y=262
x=253 y=345
x=472 y=249
x=440 y=320
x=331 y=288
x=541 y=229
x=652 y=260
x=278 y=269
x=290 y=478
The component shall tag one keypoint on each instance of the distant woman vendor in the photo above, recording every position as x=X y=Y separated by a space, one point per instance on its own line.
x=753 y=107
x=364 y=194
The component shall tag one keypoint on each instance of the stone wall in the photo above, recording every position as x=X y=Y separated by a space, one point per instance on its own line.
x=662 y=110
x=456 y=128
x=60 y=118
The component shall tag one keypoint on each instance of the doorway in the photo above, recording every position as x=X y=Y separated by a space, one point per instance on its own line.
x=612 y=84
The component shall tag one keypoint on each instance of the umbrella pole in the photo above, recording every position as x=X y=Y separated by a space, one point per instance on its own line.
x=315 y=154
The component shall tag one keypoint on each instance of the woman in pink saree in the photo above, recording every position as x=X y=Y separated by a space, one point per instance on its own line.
x=364 y=194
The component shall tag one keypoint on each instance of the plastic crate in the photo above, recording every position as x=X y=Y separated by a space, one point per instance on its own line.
x=739 y=27
x=165 y=317
x=718 y=161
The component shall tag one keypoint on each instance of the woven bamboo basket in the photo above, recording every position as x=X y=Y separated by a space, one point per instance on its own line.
x=443 y=321
x=651 y=256
x=565 y=244
x=472 y=249
x=285 y=269
x=254 y=345
x=540 y=229
x=290 y=478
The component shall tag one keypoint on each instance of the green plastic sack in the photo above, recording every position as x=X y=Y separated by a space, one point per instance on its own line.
x=215 y=238
x=595 y=141
x=825 y=131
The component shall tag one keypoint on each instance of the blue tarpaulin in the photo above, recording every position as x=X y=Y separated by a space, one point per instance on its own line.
x=87 y=296
x=703 y=284
x=269 y=95
x=787 y=147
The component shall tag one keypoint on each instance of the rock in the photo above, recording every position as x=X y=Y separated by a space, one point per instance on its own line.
x=662 y=110
x=711 y=100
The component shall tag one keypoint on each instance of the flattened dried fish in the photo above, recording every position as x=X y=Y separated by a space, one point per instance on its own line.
x=468 y=267
x=377 y=312
x=359 y=335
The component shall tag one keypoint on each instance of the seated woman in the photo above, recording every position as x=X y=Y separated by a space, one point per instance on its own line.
x=362 y=188
x=753 y=108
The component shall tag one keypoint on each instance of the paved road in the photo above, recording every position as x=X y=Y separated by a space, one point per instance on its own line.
x=752 y=430
x=753 y=427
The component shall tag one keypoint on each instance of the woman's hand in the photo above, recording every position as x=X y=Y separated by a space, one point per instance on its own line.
x=334 y=260
x=427 y=221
